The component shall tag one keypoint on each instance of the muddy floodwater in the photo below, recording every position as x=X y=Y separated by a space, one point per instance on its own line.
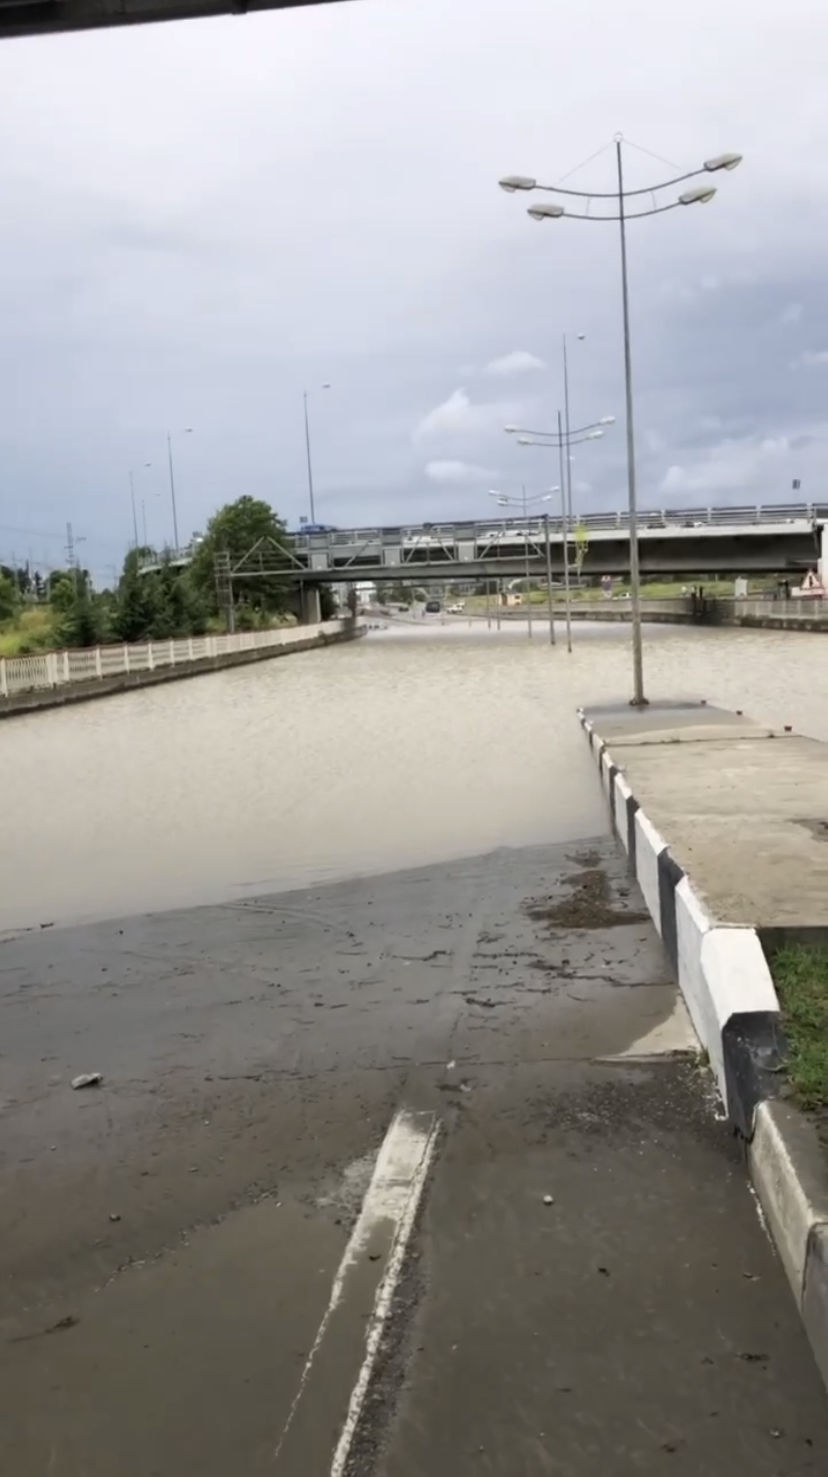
x=412 y=746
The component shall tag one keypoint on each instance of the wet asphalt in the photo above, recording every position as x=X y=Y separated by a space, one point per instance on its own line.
x=168 y=1241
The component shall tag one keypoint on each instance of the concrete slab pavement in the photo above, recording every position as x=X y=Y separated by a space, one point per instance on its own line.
x=253 y=1058
x=744 y=808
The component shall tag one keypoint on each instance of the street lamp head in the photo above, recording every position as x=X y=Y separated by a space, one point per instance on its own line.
x=607 y=420
x=325 y=386
x=594 y=436
x=547 y=498
x=699 y=196
x=722 y=161
x=549 y=211
x=526 y=441
x=511 y=430
x=512 y=182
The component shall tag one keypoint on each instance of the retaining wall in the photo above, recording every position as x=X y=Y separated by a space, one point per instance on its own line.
x=54 y=679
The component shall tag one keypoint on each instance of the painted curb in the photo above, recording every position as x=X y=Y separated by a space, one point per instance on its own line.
x=787 y=1168
x=721 y=970
x=727 y=986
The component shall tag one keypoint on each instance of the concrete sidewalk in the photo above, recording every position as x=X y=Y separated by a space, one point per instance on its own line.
x=588 y=1288
x=744 y=808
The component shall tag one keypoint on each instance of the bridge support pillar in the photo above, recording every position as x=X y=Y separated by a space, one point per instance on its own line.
x=823 y=555
x=310 y=612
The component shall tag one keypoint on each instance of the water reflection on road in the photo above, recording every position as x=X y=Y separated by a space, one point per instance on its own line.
x=412 y=746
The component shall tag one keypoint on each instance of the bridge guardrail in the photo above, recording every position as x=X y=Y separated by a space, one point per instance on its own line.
x=56 y=668
x=492 y=531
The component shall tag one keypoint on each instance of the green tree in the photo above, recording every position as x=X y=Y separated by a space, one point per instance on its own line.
x=136 y=605
x=237 y=529
x=63 y=586
x=179 y=607
x=9 y=597
x=158 y=604
x=80 y=621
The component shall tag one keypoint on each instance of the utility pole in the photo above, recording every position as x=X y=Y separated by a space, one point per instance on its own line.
x=70 y=555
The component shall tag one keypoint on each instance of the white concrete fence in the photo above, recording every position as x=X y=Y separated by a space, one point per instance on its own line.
x=55 y=668
x=811 y=610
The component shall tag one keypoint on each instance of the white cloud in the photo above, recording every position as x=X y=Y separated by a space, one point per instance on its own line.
x=458 y=415
x=456 y=472
x=733 y=467
x=810 y=359
x=519 y=361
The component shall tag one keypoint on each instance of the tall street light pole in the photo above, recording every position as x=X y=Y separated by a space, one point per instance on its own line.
x=144 y=467
x=698 y=194
x=132 y=501
x=187 y=431
x=638 y=699
x=311 y=505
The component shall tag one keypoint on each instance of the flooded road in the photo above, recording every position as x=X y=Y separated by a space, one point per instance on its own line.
x=339 y=894
x=406 y=748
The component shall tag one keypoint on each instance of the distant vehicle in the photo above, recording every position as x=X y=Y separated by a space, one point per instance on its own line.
x=317 y=528
x=432 y=607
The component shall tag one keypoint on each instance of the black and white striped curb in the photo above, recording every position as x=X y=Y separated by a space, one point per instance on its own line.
x=729 y=993
x=722 y=972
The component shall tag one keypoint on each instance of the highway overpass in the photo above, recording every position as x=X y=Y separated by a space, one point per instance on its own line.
x=33 y=17
x=786 y=539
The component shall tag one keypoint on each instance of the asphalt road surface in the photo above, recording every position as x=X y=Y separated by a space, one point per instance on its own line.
x=554 y=1266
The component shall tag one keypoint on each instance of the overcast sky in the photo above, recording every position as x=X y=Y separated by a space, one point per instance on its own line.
x=202 y=219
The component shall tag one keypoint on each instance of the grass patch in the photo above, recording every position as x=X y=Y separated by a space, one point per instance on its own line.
x=800 y=973
x=32 y=631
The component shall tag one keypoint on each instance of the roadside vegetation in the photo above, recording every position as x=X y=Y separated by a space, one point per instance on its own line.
x=591 y=593
x=800 y=973
x=62 y=608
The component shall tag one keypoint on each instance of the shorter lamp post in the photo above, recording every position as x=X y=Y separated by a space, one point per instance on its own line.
x=524 y=501
x=563 y=440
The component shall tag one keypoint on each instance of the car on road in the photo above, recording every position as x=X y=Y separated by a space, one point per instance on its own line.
x=432 y=607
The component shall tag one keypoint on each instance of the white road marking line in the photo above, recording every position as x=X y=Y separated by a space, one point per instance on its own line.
x=394 y=1196
x=425 y=1138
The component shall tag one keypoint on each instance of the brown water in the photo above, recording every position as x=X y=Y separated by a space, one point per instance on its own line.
x=409 y=747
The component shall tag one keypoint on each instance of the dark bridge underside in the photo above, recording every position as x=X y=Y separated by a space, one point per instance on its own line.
x=32 y=17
